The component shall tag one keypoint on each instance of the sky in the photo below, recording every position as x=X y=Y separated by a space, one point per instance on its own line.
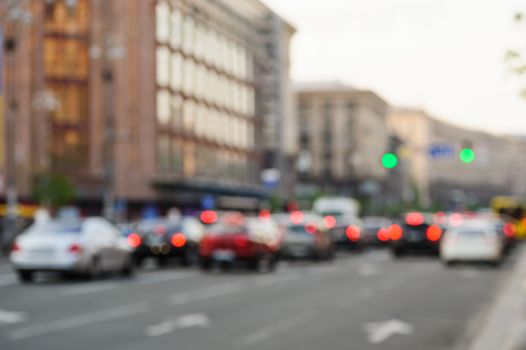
x=446 y=56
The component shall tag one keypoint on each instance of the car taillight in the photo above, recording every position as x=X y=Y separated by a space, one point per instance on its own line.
x=353 y=233
x=414 y=219
x=509 y=230
x=329 y=221
x=311 y=228
x=134 y=240
x=395 y=233
x=434 y=233
x=208 y=217
x=15 y=247
x=75 y=248
x=296 y=217
x=178 y=240
x=383 y=235
x=264 y=214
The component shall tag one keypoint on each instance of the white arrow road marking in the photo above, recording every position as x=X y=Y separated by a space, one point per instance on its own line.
x=381 y=331
x=186 y=321
x=12 y=317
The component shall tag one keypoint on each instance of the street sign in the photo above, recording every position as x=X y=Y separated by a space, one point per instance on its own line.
x=440 y=150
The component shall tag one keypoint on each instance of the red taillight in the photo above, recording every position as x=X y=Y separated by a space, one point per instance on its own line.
x=75 y=249
x=241 y=241
x=208 y=217
x=395 y=233
x=134 y=240
x=329 y=221
x=264 y=214
x=509 y=230
x=456 y=219
x=353 y=233
x=311 y=228
x=15 y=247
x=383 y=235
x=434 y=233
x=296 y=217
x=178 y=240
x=414 y=219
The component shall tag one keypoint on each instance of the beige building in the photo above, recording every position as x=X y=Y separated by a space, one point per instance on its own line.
x=433 y=146
x=342 y=136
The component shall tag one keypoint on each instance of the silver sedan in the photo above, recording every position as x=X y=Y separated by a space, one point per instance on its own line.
x=84 y=246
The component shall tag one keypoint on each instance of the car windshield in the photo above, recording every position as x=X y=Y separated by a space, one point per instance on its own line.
x=59 y=227
x=301 y=229
x=472 y=233
x=227 y=229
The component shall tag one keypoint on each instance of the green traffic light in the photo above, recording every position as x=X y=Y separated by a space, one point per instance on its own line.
x=467 y=155
x=389 y=160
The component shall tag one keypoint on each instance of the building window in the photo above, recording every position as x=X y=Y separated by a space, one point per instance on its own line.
x=163 y=66
x=162 y=28
x=163 y=107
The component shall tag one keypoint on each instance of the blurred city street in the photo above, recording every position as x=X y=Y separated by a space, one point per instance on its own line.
x=303 y=306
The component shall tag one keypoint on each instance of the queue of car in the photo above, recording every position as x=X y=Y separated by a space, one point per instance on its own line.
x=225 y=240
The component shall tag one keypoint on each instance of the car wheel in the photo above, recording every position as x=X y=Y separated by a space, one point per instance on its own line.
x=254 y=265
x=162 y=261
x=225 y=266
x=189 y=257
x=398 y=253
x=94 y=270
x=139 y=261
x=25 y=276
x=128 y=270
x=205 y=264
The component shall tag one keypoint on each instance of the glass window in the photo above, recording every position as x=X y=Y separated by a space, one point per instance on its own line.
x=163 y=107
x=189 y=77
x=177 y=121
x=189 y=159
x=163 y=153
x=188 y=115
x=163 y=66
x=176 y=26
x=162 y=18
x=189 y=40
x=176 y=80
x=177 y=156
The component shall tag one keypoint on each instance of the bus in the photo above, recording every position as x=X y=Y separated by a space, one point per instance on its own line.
x=512 y=210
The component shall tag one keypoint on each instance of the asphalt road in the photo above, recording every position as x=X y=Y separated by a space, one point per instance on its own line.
x=367 y=301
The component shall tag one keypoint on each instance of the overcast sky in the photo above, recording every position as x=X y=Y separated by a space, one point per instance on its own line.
x=443 y=55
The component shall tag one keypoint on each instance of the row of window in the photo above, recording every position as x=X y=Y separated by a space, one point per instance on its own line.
x=178 y=114
x=64 y=18
x=194 y=38
x=181 y=74
x=196 y=161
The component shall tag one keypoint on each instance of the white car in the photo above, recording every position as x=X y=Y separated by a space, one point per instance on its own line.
x=472 y=241
x=86 y=246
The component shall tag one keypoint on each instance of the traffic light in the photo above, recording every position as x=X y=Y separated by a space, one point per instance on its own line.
x=467 y=154
x=389 y=160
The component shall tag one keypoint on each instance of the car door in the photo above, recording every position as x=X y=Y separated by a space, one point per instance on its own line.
x=101 y=242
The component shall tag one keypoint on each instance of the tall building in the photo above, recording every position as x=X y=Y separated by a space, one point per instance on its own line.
x=168 y=93
x=342 y=137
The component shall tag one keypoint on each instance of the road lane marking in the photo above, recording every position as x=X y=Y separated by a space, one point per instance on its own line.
x=12 y=317
x=198 y=320
x=207 y=293
x=275 y=279
x=378 y=332
x=275 y=329
x=165 y=277
x=78 y=321
x=89 y=289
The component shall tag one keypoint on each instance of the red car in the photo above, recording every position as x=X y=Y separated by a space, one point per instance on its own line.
x=252 y=241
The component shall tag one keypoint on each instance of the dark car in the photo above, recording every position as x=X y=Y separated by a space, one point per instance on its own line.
x=347 y=232
x=306 y=236
x=252 y=242
x=375 y=231
x=165 y=239
x=416 y=233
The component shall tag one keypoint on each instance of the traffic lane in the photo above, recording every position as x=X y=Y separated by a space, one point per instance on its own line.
x=436 y=309
x=237 y=308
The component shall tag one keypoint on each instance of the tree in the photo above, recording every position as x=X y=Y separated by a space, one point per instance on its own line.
x=53 y=190
x=515 y=59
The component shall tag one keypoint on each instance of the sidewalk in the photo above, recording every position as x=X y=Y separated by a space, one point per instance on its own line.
x=504 y=327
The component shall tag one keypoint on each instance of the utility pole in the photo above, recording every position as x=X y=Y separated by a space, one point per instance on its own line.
x=15 y=15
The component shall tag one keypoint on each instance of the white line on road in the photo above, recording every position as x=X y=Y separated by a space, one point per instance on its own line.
x=207 y=293
x=275 y=279
x=89 y=289
x=283 y=326
x=12 y=317
x=186 y=321
x=78 y=321
x=165 y=277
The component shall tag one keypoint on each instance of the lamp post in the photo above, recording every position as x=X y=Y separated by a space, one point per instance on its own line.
x=16 y=15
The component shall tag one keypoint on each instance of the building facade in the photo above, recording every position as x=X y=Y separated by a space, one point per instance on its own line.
x=166 y=92
x=433 y=148
x=342 y=137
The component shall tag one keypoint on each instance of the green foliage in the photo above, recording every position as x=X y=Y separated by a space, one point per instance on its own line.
x=54 y=190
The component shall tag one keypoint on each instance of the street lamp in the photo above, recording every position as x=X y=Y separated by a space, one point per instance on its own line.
x=16 y=15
